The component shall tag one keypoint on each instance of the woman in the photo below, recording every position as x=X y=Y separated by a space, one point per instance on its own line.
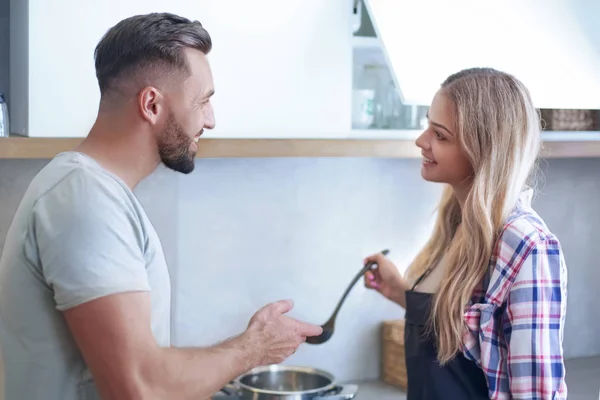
x=485 y=298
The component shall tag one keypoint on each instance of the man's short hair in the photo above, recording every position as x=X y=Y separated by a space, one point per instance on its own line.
x=140 y=49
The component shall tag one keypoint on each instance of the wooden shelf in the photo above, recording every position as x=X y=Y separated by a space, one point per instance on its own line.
x=556 y=145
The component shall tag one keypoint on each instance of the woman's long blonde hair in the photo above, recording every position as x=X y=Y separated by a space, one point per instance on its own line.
x=499 y=130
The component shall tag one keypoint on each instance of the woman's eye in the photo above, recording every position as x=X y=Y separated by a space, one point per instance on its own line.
x=438 y=135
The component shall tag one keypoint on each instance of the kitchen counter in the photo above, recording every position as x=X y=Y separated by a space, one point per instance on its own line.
x=378 y=390
x=582 y=381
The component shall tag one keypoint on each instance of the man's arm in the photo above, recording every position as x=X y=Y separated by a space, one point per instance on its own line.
x=90 y=246
x=114 y=335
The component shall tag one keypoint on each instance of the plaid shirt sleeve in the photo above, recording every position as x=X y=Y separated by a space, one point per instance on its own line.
x=515 y=330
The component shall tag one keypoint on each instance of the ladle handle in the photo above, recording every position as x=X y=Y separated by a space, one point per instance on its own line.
x=367 y=267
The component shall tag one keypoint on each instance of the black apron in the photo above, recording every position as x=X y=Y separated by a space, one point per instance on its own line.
x=459 y=379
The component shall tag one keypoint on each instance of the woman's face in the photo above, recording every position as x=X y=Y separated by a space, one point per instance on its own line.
x=444 y=160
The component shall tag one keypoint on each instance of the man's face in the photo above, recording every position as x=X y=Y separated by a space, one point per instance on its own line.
x=189 y=113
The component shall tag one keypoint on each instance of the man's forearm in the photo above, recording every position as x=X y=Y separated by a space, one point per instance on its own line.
x=198 y=373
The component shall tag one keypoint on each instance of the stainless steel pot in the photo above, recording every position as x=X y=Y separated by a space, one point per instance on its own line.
x=280 y=382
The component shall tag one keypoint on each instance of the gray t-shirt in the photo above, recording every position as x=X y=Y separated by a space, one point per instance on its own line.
x=78 y=234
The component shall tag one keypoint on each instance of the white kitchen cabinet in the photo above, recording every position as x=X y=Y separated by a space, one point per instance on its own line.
x=281 y=68
x=552 y=46
x=289 y=69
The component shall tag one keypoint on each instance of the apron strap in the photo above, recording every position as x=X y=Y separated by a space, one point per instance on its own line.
x=423 y=276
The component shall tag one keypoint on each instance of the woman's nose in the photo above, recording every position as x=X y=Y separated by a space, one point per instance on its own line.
x=422 y=141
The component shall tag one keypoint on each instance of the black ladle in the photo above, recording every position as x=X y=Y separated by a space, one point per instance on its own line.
x=329 y=326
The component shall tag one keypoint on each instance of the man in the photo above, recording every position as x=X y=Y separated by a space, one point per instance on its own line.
x=84 y=287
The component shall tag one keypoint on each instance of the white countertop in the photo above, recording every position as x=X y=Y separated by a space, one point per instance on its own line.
x=378 y=390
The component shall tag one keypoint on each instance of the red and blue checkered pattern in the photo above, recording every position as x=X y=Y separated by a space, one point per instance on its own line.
x=515 y=322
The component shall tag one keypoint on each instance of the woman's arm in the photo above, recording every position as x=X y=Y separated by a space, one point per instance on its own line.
x=533 y=323
x=515 y=332
x=386 y=279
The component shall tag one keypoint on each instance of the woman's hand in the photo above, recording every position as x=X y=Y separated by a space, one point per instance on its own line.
x=385 y=279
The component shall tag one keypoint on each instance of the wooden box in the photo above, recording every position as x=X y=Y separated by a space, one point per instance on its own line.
x=393 y=369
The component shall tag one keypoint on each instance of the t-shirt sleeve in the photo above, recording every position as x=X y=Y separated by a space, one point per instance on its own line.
x=90 y=240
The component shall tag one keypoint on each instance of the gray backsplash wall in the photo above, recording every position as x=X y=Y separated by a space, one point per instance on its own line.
x=240 y=233
x=4 y=46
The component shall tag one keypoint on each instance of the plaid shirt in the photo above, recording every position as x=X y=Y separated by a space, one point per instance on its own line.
x=515 y=327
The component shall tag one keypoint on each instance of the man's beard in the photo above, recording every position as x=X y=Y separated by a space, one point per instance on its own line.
x=174 y=147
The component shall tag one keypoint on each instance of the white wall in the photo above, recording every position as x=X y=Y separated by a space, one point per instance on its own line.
x=254 y=231
x=301 y=227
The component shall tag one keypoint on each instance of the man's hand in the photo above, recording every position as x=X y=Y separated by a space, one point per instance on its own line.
x=114 y=336
x=276 y=335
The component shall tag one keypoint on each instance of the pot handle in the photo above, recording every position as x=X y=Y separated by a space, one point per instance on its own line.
x=342 y=392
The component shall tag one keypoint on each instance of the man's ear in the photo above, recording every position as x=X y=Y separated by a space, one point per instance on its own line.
x=151 y=104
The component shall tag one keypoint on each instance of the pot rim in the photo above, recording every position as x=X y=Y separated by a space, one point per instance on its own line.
x=275 y=368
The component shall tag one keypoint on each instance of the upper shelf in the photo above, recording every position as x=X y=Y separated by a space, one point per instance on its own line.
x=392 y=144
